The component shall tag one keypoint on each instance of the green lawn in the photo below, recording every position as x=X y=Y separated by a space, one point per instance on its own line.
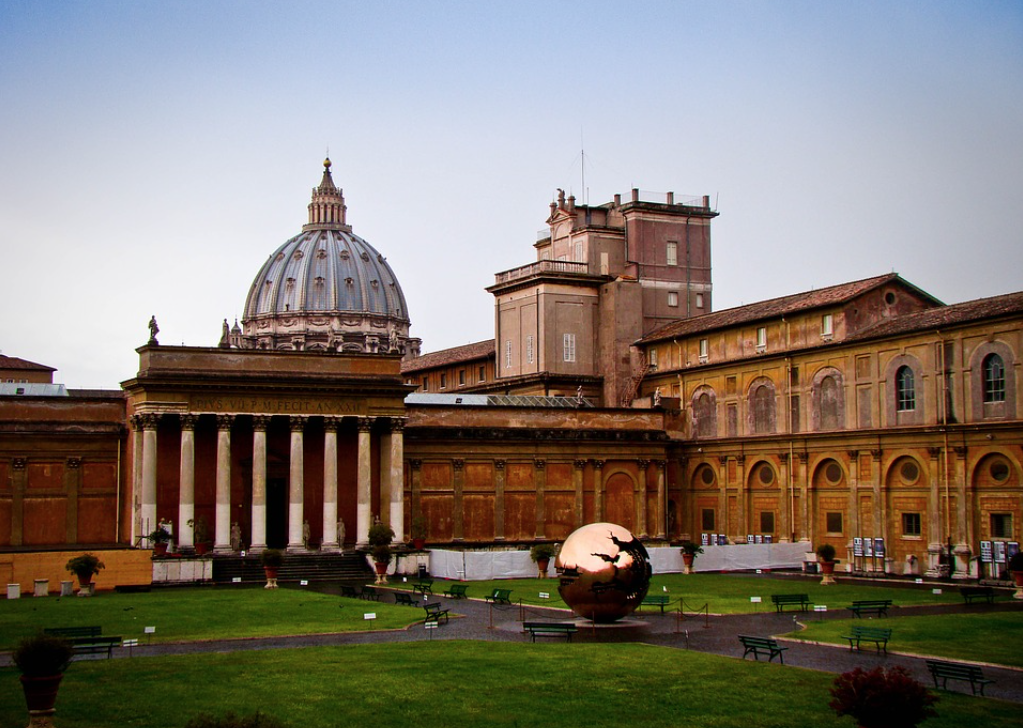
x=993 y=637
x=202 y=614
x=464 y=684
x=722 y=593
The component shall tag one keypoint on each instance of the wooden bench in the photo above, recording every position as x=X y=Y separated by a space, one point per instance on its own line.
x=370 y=592
x=499 y=596
x=765 y=645
x=877 y=607
x=405 y=599
x=656 y=600
x=424 y=587
x=957 y=671
x=877 y=635
x=552 y=629
x=434 y=613
x=456 y=591
x=977 y=592
x=86 y=640
x=71 y=633
x=349 y=591
x=783 y=600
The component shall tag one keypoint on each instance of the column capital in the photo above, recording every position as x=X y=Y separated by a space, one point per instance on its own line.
x=365 y=424
x=740 y=459
x=458 y=463
x=499 y=464
x=330 y=424
x=853 y=454
x=802 y=457
x=643 y=464
x=398 y=424
x=539 y=464
x=875 y=454
x=187 y=421
x=297 y=422
x=661 y=464
x=722 y=460
x=960 y=452
x=224 y=422
x=783 y=458
x=19 y=463
x=598 y=464
x=136 y=422
x=74 y=463
x=934 y=452
x=149 y=420
x=416 y=463
x=260 y=422
x=579 y=464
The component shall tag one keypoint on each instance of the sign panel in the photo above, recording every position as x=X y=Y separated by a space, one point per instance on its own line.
x=986 y=553
x=857 y=547
x=879 y=547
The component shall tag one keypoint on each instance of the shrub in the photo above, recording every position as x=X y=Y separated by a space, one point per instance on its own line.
x=1016 y=562
x=230 y=720
x=380 y=534
x=826 y=552
x=42 y=655
x=692 y=548
x=160 y=535
x=272 y=558
x=382 y=553
x=542 y=551
x=84 y=565
x=882 y=698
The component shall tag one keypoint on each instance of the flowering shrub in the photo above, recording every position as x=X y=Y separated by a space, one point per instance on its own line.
x=882 y=698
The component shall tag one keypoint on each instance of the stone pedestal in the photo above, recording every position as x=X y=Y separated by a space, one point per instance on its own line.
x=14 y=591
x=42 y=588
x=67 y=588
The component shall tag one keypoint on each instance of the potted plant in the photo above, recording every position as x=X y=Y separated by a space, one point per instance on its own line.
x=42 y=660
x=418 y=532
x=380 y=537
x=826 y=554
x=271 y=559
x=542 y=553
x=200 y=535
x=160 y=538
x=84 y=566
x=690 y=550
x=1016 y=569
x=882 y=698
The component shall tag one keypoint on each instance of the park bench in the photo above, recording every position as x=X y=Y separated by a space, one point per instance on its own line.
x=877 y=607
x=877 y=635
x=434 y=612
x=957 y=671
x=86 y=640
x=553 y=629
x=405 y=599
x=499 y=596
x=424 y=587
x=656 y=600
x=349 y=591
x=765 y=645
x=783 y=600
x=370 y=592
x=456 y=591
x=977 y=592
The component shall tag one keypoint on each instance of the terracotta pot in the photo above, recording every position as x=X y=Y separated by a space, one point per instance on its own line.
x=419 y=544
x=84 y=580
x=41 y=692
x=271 y=577
x=381 y=569
x=160 y=549
x=201 y=548
x=688 y=560
x=827 y=567
x=541 y=565
x=1018 y=576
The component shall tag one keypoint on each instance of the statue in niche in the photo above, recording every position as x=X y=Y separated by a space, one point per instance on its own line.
x=341 y=533
x=305 y=533
x=225 y=337
x=393 y=341
x=236 y=537
x=153 y=330
x=657 y=397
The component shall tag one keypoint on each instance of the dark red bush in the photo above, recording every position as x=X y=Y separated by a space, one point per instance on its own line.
x=882 y=698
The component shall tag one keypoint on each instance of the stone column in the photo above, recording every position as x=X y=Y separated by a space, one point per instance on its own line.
x=296 y=485
x=640 y=497
x=499 y=482
x=598 y=490
x=541 y=488
x=329 y=541
x=364 y=502
x=136 y=479
x=961 y=528
x=417 y=504
x=660 y=513
x=739 y=536
x=73 y=484
x=149 y=423
x=577 y=483
x=186 y=483
x=19 y=478
x=806 y=513
x=785 y=501
x=457 y=487
x=722 y=521
x=396 y=476
x=222 y=537
x=854 y=526
x=258 y=535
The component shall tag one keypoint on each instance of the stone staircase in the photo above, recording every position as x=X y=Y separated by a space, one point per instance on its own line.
x=296 y=567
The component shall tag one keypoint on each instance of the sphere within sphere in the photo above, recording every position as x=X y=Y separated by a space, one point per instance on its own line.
x=604 y=572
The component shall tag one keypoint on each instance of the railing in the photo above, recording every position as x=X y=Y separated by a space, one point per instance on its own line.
x=542 y=266
x=544 y=234
x=669 y=198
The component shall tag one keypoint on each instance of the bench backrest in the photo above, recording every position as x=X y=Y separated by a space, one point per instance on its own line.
x=954 y=668
x=873 y=603
x=91 y=631
x=501 y=593
x=789 y=598
x=871 y=632
x=757 y=641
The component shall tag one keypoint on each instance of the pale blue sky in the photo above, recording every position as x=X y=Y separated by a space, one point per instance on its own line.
x=153 y=154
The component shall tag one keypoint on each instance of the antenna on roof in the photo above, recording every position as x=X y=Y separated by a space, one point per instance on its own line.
x=582 y=155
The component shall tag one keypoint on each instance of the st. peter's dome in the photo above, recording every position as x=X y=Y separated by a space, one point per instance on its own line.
x=326 y=289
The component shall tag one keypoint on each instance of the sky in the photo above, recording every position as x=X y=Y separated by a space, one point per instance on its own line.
x=153 y=154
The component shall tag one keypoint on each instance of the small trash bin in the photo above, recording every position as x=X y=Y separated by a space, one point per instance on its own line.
x=422 y=571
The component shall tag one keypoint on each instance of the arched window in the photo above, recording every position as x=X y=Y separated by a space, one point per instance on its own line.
x=994 y=378
x=763 y=410
x=830 y=405
x=905 y=390
x=705 y=415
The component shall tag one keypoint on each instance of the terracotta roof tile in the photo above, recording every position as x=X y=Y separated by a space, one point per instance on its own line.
x=447 y=357
x=946 y=316
x=13 y=362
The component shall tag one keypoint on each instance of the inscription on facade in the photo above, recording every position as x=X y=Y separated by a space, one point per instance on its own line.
x=275 y=406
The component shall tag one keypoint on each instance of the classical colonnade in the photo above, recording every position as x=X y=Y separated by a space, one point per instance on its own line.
x=391 y=458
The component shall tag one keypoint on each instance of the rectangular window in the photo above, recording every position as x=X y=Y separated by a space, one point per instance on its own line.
x=794 y=412
x=673 y=298
x=911 y=524
x=762 y=339
x=568 y=346
x=652 y=358
x=766 y=521
x=507 y=354
x=699 y=300
x=529 y=349
x=707 y=519
x=579 y=252
x=461 y=377
x=672 y=253
x=426 y=384
x=1001 y=525
x=826 y=326
x=483 y=374
x=443 y=381
x=833 y=522
x=704 y=350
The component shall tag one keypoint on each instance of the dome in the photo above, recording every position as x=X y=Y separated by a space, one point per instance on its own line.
x=326 y=289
